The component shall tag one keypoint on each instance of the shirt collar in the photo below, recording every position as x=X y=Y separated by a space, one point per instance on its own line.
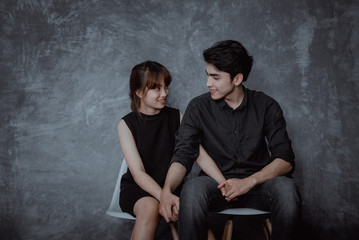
x=223 y=104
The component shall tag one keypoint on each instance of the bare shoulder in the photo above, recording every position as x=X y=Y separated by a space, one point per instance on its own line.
x=122 y=126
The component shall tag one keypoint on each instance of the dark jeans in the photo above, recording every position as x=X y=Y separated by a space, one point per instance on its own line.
x=200 y=195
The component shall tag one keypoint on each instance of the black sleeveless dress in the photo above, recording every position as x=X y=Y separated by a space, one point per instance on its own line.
x=155 y=140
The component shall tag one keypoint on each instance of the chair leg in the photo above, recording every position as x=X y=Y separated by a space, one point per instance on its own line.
x=228 y=229
x=174 y=231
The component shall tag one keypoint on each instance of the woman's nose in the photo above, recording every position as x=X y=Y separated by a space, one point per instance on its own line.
x=164 y=92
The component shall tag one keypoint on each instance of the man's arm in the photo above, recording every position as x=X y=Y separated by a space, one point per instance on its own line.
x=185 y=153
x=281 y=153
x=169 y=203
x=235 y=187
x=207 y=164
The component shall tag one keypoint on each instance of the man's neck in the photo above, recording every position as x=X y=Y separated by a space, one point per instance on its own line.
x=235 y=98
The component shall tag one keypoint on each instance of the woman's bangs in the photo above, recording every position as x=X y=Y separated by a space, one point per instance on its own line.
x=153 y=79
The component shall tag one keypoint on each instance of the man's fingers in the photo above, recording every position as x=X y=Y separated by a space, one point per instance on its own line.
x=229 y=193
x=223 y=192
x=221 y=185
x=164 y=214
x=223 y=188
x=230 y=197
x=168 y=213
x=175 y=210
x=174 y=218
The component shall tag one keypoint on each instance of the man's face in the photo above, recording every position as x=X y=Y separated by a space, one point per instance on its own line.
x=219 y=83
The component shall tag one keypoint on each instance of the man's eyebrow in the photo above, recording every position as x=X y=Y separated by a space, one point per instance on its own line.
x=212 y=74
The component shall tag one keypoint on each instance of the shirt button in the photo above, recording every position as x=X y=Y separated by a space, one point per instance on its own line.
x=235 y=132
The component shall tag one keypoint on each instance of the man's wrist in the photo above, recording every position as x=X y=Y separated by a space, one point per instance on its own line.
x=253 y=181
x=167 y=189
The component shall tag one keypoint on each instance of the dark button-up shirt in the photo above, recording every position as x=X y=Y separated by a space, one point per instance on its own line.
x=241 y=141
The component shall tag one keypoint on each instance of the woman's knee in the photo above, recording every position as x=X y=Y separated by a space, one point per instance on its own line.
x=147 y=208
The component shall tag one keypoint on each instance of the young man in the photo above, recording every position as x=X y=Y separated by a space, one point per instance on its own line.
x=244 y=131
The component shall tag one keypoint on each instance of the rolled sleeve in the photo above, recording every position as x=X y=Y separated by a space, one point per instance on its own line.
x=187 y=139
x=279 y=143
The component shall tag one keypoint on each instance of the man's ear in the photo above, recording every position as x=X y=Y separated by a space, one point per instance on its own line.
x=238 y=79
x=139 y=93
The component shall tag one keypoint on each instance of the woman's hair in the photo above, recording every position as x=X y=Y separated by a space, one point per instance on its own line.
x=229 y=56
x=146 y=76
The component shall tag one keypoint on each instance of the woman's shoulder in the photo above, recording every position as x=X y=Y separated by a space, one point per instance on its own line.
x=174 y=112
x=129 y=115
x=170 y=109
x=130 y=118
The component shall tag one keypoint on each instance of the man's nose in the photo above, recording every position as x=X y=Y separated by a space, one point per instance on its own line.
x=209 y=81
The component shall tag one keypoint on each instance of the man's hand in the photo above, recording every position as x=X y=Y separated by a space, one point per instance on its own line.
x=169 y=206
x=235 y=187
x=222 y=186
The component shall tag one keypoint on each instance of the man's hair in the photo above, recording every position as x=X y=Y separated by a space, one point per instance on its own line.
x=229 y=56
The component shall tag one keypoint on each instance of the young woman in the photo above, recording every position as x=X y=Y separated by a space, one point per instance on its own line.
x=147 y=139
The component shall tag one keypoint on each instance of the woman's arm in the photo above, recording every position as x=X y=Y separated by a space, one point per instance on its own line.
x=134 y=161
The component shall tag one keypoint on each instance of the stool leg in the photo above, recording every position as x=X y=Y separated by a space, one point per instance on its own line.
x=268 y=225
x=267 y=228
x=211 y=235
x=228 y=229
x=174 y=231
x=266 y=232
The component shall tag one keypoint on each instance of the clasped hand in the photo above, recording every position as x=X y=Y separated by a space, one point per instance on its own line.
x=234 y=187
x=169 y=206
x=231 y=189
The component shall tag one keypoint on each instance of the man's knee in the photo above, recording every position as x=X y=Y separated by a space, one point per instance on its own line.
x=285 y=195
x=284 y=187
x=197 y=190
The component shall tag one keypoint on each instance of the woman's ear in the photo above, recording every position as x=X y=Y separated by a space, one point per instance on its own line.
x=139 y=93
x=238 y=79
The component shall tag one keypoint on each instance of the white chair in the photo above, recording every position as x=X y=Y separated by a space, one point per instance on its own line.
x=115 y=209
x=228 y=228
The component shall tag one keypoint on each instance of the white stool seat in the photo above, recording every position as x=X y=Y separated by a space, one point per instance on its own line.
x=243 y=211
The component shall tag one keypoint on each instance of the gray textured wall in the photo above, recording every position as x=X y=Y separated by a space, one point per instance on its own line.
x=64 y=74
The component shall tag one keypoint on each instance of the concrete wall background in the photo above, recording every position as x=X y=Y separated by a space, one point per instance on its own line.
x=64 y=68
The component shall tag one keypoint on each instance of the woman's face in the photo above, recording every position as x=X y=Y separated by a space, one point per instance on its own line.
x=153 y=100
